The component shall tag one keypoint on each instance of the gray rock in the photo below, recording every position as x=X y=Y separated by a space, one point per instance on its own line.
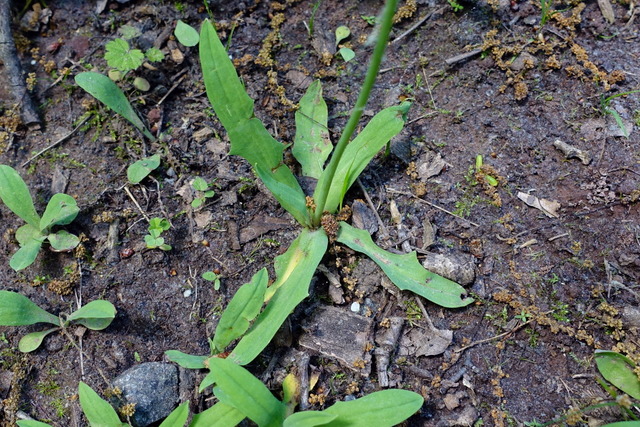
x=153 y=387
x=458 y=267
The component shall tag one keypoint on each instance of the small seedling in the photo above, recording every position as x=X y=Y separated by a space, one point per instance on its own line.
x=142 y=168
x=62 y=209
x=606 y=109
x=156 y=227
x=488 y=178
x=342 y=33
x=18 y=310
x=203 y=190
x=210 y=276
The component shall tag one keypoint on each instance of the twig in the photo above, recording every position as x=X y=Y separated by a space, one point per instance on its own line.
x=416 y=25
x=391 y=190
x=486 y=340
x=55 y=144
x=175 y=85
x=463 y=56
x=135 y=202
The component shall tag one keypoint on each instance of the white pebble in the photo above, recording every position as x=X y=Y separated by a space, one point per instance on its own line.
x=355 y=307
x=187 y=293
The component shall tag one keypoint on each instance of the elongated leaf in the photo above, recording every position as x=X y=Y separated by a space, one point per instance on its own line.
x=33 y=340
x=312 y=145
x=61 y=210
x=186 y=34
x=294 y=271
x=31 y=423
x=243 y=308
x=177 y=417
x=404 y=270
x=63 y=240
x=237 y=387
x=95 y=315
x=309 y=419
x=97 y=410
x=15 y=194
x=18 y=310
x=618 y=370
x=219 y=415
x=380 y=409
x=623 y=424
x=142 y=168
x=382 y=127
x=187 y=361
x=27 y=253
x=26 y=233
x=106 y=91
x=290 y=197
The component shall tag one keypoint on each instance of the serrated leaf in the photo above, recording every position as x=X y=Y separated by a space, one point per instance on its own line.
x=95 y=315
x=342 y=33
x=15 y=194
x=177 y=417
x=378 y=132
x=294 y=271
x=62 y=209
x=187 y=361
x=186 y=34
x=120 y=56
x=33 y=340
x=154 y=54
x=309 y=419
x=312 y=145
x=405 y=271
x=219 y=415
x=242 y=309
x=63 y=241
x=26 y=255
x=106 y=91
x=129 y=32
x=142 y=168
x=347 y=54
x=97 y=410
x=618 y=370
x=199 y=184
x=18 y=310
x=237 y=387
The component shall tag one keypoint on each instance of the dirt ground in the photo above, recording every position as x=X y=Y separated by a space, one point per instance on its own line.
x=553 y=282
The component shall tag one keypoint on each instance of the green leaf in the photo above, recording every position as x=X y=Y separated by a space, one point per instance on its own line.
x=32 y=341
x=618 y=370
x=161 y=224
x=121 y=57
x=177 y=417
x=309 y=419
x=141 y=84
x=219 y=415
x=623 y=424
x=63 y=240
x=210 y=276
x=294 y=271
x=347 y=54
x=97 y=410
x=237 y=387
x=380 y=409
x=15 y=194
x=242 y=309
x=26 y=233
x=378 y=132
x=142 y=168
x=199 y=184
x=187 y=361
x=186 y=34
x=95 y=315
x=154 y=54
x=31 y=423
x=129 y=32
x=106 y=91
x=287 y=193
x=62 y=209
x=404 y=270
x=342 y=33
x=312 y=145
x=27 y=253
x=196 y=203
x=18 y=310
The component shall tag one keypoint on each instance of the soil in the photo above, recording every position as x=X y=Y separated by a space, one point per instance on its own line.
x=552 y=283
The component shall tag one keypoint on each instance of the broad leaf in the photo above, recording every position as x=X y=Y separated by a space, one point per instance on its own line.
x=18 y=310
x=142 y=168
x=347 y=54
x=26 y=233
x=186 y=34
x=309 y=419
x=15 y=194
x=404 y=270
x=33 y=340
x=61 y=210
x=237 y=387
x=187 y=361
x=312 y=145
x=95 y=315
x=342 y=32
x=380 y=409
x=618 y=370
x=294 y=271
x=243 y=308
x=27 y=253
x=288 y=194
x=63 y=240
x=177 y=417
x=120 y=56
x=106 y=91
x=97 y=410
x=219 y=415
x=378 y=132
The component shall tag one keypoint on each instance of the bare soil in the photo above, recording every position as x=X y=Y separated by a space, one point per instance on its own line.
x=551 y=287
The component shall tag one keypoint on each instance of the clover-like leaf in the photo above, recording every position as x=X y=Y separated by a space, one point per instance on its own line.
x=120 y=56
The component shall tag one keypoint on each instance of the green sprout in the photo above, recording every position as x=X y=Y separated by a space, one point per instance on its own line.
x=203 y=190
x=606 y=109
x=154 y=240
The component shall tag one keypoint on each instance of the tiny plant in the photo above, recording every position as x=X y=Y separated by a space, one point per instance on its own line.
x=203 y=191
x=457 y=7
x=62 y=209
x=210 y=276
x=154 y=240
x=606 y=109
x=342 y=33
x=18 y=310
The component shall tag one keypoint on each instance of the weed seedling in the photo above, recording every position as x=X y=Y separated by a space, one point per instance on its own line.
x=203 y=190
x=156 y=227
x=606 y=109
x=210 y=276
x=342 y=33
x=62 y=209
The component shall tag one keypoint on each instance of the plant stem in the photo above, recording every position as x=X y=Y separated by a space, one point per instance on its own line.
x=350 y=127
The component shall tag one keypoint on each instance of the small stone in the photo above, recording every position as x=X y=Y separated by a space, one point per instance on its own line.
x=458 y=267
x=153 y=387
x=355 y=307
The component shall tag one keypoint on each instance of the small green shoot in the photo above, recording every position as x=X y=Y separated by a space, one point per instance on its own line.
x=457 y=7
x=154 y=240
x=490 y=180
x=62 y=209
x=210 y=276
x=342 y=33
x=142 y=168
x=606 y=109
x=120 y=56
x=369 y=19
x=203 y=190
x=18 y=310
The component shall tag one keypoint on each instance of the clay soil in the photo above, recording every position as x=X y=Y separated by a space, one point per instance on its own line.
x=551 y=284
